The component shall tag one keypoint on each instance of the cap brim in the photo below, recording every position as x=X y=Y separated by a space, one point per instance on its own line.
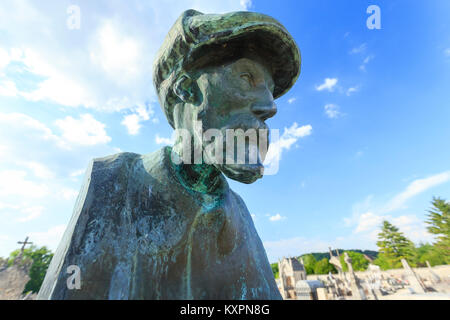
x=255 y=33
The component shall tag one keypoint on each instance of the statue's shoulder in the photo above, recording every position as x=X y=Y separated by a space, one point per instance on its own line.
x=114 y=161
x=125 y=164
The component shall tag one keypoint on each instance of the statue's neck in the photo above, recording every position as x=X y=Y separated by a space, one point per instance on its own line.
x=203 y=178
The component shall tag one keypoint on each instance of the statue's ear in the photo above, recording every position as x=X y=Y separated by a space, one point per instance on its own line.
x=187 y=89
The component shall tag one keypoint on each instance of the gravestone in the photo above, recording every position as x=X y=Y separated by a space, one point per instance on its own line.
x=322 y=294
x=435 y=278
x=336 y=262
x=375 y=280
x=414 y=281
x=307 y=289
x=357 y=291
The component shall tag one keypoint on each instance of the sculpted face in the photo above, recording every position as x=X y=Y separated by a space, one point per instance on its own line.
x=237 y=95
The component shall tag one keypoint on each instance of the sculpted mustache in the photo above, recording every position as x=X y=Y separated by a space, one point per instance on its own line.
x=245 y=125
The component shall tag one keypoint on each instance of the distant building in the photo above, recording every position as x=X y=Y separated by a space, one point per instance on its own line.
x=290 y=271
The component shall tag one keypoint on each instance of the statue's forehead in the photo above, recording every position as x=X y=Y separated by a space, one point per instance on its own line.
x=255 y=66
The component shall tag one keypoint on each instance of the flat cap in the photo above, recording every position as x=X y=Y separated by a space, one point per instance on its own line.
x=198 y=39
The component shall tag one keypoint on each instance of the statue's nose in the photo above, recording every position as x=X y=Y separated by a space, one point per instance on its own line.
x=264 y=110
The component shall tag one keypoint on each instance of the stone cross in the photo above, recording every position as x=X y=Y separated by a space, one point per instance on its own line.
x=24 y=244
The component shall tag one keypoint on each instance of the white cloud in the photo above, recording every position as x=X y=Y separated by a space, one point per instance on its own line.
x=292 y=100
x=368 y=221
x=362 y=48
x=132 y=123
x=77 y=173
x=57 y=86
x=369 y=226
x=245 y=4
x=39 y=170
x=162 y=140
x=69 y=193
x=367 y=216
x=30 y=146
x=15 y=183
x=85 y=131
x=328 y=84
x=49 y=238
x=332 y=111
x=365 y=62
x=8 y=206
x=4 y=58
x=107 y=63
x=60 y=90
x=352 y=90
x=287 y=139
x=416 y=187
x=8 y=88
x=276 y=217
x=117 y=53
x=31 y=213
x=447 y=52
x=26 y=124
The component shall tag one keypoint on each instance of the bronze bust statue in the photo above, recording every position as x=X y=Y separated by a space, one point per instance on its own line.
x=150 y=227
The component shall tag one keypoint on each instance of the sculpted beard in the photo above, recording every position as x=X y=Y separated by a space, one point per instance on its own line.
x=239 y=149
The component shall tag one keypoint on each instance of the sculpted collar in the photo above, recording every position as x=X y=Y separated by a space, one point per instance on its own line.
x=203 y=178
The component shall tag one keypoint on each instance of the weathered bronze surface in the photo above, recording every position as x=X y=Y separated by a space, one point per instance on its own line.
x=148 y=227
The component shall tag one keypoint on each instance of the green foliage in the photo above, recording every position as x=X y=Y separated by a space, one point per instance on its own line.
x=394 y=246
x=41 y=258
x=309 y=263
x=427 y=252
x=439 y=224
x=359 y=262
x=275 y=270
x=320 y=255
x=324 y=267
x=383 y=262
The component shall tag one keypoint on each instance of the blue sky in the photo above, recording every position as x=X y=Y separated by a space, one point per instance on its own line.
x=365 y=128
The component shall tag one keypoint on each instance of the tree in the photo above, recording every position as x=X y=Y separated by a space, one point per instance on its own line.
x=275 y=270
x=324 y=267
x=394 y=246
x=439 y=224
x=359 y=262
x=309 y=263
x=427 y=252
x=41 y=258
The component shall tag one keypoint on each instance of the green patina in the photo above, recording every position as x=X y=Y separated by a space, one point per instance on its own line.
x=146 y=227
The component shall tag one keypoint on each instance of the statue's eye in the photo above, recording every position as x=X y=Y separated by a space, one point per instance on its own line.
x=247 y=77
